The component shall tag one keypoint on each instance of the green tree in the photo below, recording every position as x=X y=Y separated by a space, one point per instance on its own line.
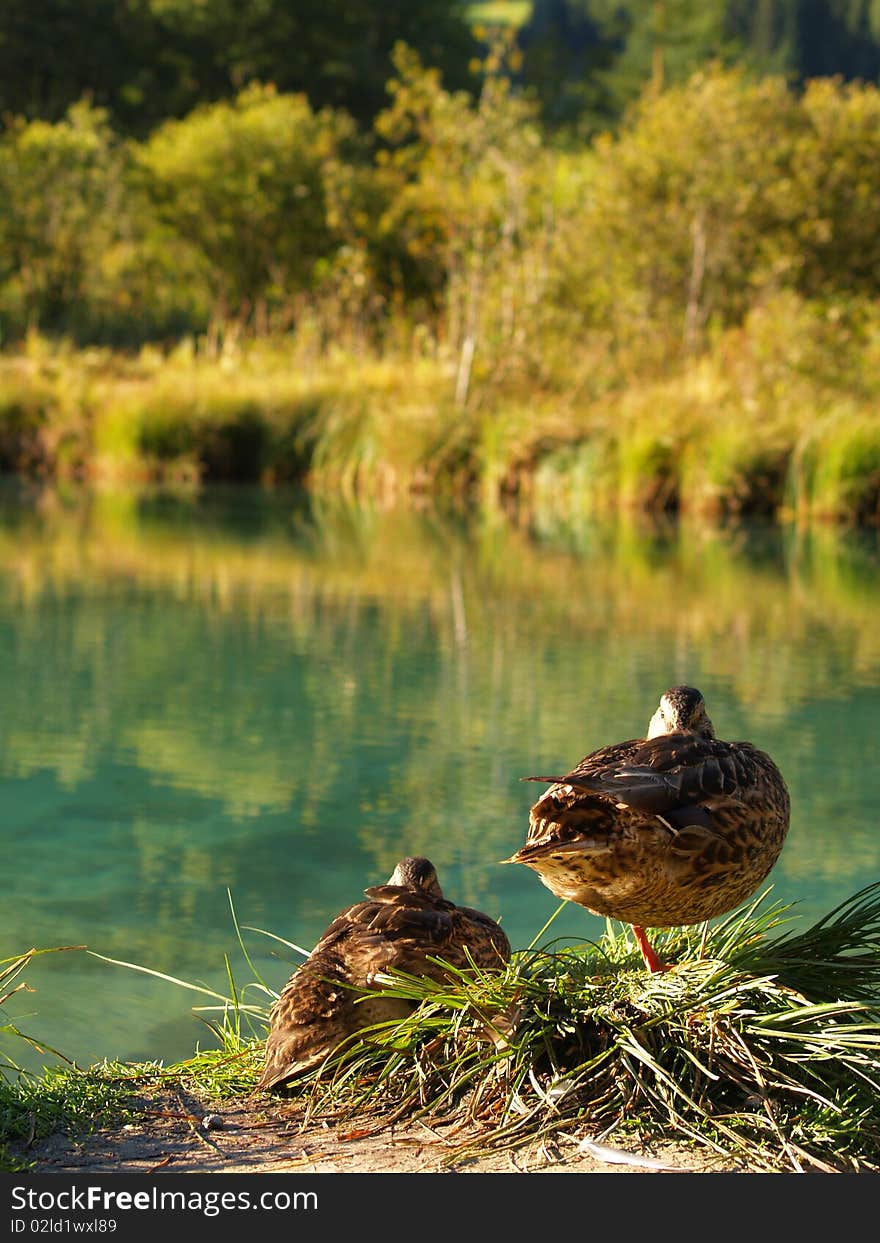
x=718 y=192
x=837 y=168
x=466 y=187
x=692 y=209
x=119 y=54
x=62 y=206
x=246 y=185
x=568 y=47
x=149 y=60
x=808 y=39
x=337 y=52
x=589 y=59
x=666 y=41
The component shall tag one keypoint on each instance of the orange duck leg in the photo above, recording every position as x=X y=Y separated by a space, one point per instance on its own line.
x=652 y=962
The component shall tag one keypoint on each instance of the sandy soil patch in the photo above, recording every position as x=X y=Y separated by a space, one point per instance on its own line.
x=175 y=1132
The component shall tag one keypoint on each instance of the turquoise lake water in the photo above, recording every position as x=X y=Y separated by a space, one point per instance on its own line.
x=239 y=693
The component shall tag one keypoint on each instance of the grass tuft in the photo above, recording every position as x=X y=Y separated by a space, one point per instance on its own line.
x=63 y=1098
x=760 y=1045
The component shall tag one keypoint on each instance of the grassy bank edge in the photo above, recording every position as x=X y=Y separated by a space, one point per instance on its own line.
x=761 y=1044
x=743 y=431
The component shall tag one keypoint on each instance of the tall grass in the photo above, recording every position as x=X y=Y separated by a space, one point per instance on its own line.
x=64 y=1096
x=13 y=983
x=768 y=421
x=761 y=1046
x=839 y=468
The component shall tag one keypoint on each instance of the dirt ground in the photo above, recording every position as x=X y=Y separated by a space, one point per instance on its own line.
x=177 y=1133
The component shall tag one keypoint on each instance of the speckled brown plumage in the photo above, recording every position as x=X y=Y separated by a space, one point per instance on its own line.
x=399 y=926
x=666 y=830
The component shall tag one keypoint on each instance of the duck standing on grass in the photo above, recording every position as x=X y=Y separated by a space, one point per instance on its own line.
x=400 y=925
x=664 y=830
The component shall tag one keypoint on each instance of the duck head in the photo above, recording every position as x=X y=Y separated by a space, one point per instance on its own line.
x=682 y=710
x=415 y=872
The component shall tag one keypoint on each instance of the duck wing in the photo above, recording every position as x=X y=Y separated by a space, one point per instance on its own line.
x=442 y=928
x=312 y=1014
x=476 y=941
x=679 y=778
x=663 y=773
x=375 y=935
x=322 y=1002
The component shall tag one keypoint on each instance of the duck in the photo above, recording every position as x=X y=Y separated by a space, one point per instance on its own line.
x=661 y=831
x=402 y=925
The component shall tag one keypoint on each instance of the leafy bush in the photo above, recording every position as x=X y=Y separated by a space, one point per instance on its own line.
x=245 y=184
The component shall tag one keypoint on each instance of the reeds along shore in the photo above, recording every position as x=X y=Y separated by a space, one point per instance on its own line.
x=743 y=430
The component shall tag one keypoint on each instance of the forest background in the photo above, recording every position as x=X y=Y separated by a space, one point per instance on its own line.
x=570 y=252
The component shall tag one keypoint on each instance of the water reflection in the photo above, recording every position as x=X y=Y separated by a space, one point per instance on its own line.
x=242 y=690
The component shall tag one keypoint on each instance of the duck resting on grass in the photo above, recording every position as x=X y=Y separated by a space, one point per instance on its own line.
x=399 y=926
x=664 y=830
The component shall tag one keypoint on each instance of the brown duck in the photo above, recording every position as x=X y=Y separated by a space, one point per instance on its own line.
x=664 y=830
x=399 y=926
